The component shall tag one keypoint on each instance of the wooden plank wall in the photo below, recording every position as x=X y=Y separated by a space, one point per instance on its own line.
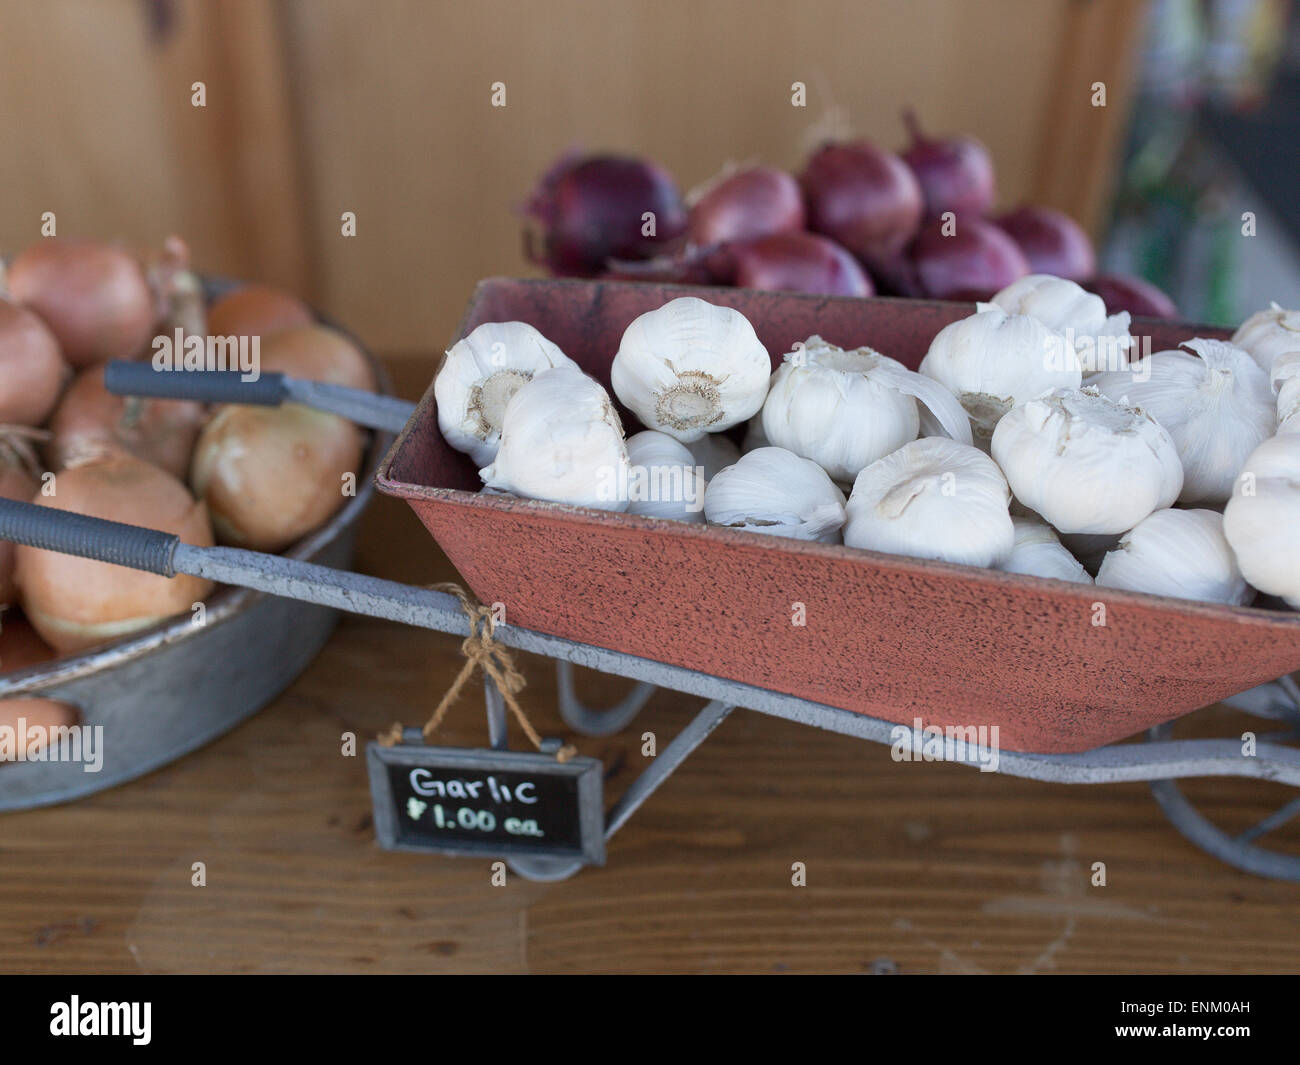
x=384 y=109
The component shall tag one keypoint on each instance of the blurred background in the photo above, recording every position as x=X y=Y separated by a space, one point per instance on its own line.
x=385 y=109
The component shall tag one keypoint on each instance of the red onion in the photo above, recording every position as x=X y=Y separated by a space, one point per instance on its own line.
x=955 y=173
x=749 y=203
x=863 y=197
x=797 y=262
x=1052 y=242
x=592 y=210
x=974 y=262
x=1141 y=298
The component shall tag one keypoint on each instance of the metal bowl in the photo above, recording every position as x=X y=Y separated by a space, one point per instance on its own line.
x=168 y=690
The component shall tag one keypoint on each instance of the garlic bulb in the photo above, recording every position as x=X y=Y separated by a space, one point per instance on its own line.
x=845 y=409
x=1286 y=383
x=1038 y=552
x=479 y=375
x=561 y=441
x=774 y=491
x=993 y=361
x=1101 y=342
x=1268 y=334
x=1179 y=553
x=933 y=498
x=1262 y=519
x=714 y=452
x=1218 y=405
x=691 y=368
x=663 y=478
x=1086 y=463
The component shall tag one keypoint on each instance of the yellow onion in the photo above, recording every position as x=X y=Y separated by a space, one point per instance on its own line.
x=75 y=603
x=91 y=422
x=17 y=481
x=256 y=310
x=20 y=644
x=269 y=475
x=93 y=296
x=32 y=370
x=317 y=353
x=37 y=717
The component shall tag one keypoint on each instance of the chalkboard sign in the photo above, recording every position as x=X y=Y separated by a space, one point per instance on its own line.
x=456 y=800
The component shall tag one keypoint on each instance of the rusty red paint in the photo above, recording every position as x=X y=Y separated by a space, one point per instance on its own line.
x=885 y=635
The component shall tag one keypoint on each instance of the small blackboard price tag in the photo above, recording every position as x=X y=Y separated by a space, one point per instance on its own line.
x=469 y=801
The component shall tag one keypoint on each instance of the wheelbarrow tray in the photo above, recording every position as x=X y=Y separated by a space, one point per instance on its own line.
x=1056 y=667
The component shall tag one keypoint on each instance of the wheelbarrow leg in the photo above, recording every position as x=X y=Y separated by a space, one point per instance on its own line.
x=588 y=722
x=672 y=756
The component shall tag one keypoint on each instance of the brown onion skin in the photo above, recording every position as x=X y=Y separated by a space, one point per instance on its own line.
x=256 y=310
x=862 y=197
x=91 y=421
x=270 y=475
x=1052 y=241
x=317 y=353
x=32 y=369
x=21 y=645
x=76 y=603
x=972 y=263
x=1133 y=294
x=754 y=202
x=15 y=483
x=34 y=712
x=93 y=296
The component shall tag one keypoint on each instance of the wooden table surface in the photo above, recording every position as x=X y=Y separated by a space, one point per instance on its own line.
x=910 y=867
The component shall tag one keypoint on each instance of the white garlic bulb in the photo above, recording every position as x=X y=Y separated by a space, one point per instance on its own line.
x=664 y=480
x=1286 y=383
x=933 y=498
x=774 y=491
x=479 y=375
x=1262 y=519
x=1218 y=405
x=561 y=441
x=714 y=452
x=1268 y=334
x=1178 y=553
x=1086 y=463
x=1039 y=553
x=690 y=368
x=1102 y=342
x=992 y=361
x=845 y=409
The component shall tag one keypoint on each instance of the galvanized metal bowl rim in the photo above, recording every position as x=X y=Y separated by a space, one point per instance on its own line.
x=589 y=515
x=227 y=602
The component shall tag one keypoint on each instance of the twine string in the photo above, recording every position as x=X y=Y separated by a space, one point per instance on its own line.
x=481 y=651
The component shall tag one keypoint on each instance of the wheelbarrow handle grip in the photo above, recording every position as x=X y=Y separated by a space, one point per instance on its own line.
x=96 y=538
x=204 y=386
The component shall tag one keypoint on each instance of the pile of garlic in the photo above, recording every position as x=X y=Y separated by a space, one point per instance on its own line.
x=1035 y=439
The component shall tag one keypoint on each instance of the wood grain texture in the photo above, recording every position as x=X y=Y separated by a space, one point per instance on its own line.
x=925 y=868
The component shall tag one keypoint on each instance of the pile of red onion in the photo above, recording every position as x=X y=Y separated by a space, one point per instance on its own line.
x=856 y=221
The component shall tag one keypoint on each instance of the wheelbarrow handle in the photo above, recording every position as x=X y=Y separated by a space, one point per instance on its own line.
x=76 y=534
x=205 y=386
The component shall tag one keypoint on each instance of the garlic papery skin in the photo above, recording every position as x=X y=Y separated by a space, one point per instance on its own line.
x=774 y=491
x=1102 y=342
x=1039 y=553
x=664 y=478
x=933 y=498
x=690 y=368
x=480 y=374
x=845 y=409
x=1086 y=463
x=1217 y=404
x=561 y=441
x=1268 y=334
x=1262 y=519
x=993 y=361
x=714 y=452
x=1178 y=553
x=1286 y=383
